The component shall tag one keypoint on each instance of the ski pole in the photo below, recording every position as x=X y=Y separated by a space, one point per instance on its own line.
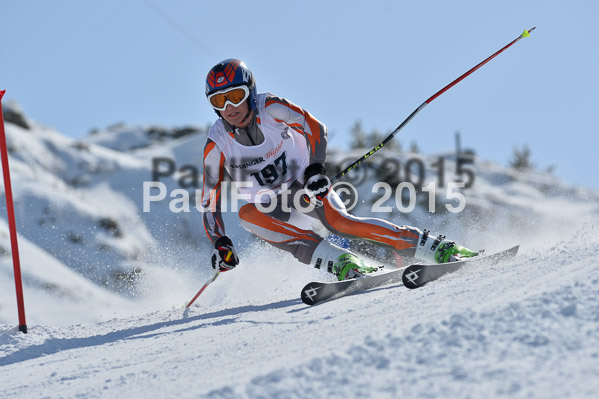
x=203 y=288
x=526 y=33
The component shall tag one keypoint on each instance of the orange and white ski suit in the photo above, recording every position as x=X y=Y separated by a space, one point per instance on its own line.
x=266 y=161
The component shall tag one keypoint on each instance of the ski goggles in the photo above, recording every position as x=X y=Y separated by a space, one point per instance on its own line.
x=234 y=95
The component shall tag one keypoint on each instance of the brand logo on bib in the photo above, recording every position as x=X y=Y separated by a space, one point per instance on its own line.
x=274 y=151
x=248 y=164
x=285 y=135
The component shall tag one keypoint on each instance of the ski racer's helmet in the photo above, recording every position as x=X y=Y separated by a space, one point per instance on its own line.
x=228 y=74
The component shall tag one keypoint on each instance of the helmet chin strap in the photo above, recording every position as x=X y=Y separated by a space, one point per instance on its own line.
x=249 y=111
x=246 y=116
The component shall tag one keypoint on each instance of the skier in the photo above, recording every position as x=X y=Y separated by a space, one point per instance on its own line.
x=277 y=150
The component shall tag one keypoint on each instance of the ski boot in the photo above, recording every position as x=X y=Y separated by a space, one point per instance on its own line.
x=439 y=250
x=341 y=262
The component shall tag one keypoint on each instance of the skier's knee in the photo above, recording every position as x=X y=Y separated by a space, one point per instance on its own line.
x=338 y=225
x=246 y=212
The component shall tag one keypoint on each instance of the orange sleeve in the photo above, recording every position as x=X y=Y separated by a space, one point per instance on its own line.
x=314 y=131
x=214 y=168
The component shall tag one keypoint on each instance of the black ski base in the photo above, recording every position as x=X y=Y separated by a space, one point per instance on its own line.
x=413 y=276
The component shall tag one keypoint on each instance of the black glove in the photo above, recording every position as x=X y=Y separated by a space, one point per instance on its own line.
x=224 y=256
x=317 y=184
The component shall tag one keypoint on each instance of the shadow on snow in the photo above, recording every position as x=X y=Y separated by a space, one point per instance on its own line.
x=55 y=345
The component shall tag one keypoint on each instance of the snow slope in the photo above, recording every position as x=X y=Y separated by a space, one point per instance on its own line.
x=80 y=205
x=55 y=291
x=524 y=328
x=105 y=284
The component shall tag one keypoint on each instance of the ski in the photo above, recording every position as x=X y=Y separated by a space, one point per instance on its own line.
x=413 y=276
x=317 y=292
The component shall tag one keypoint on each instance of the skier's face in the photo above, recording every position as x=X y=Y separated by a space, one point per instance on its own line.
x=235 y=115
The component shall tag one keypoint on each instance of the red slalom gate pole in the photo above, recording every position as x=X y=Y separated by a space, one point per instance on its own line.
x=12 y=225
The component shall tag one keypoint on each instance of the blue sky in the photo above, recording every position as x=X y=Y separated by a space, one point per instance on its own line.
x=77 y=65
